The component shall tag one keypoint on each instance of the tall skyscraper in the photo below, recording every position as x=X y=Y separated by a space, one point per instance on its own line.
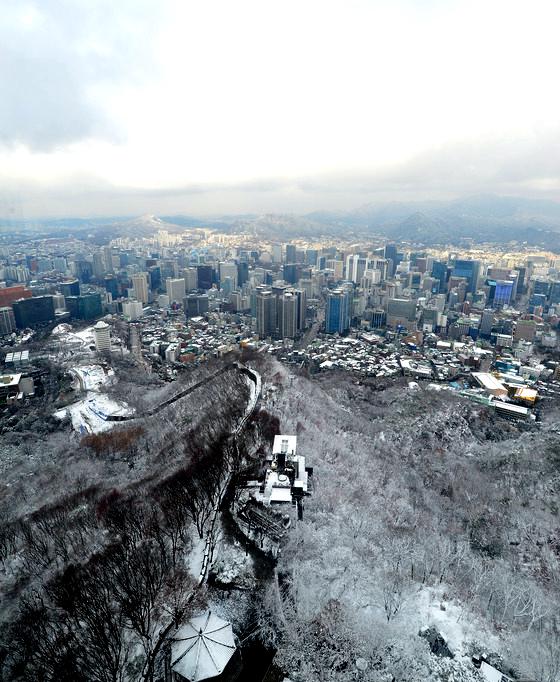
x=291 y=253
x=301 y=297
x=439 y=272
x=391 y=254
x=108 y=258
x=229 y=270
x=486 y=322
x=205 y=276
x=266 y=313
x=140 y=286
x=337 y=318
x=190 y=276
x=175 y=289
x=98 y=265
x=242 y=273
x=470 y=270
x=356 y=266
x=288 y=315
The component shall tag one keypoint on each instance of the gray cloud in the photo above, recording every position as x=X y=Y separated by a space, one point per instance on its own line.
x=54 y=53
x=529 y=168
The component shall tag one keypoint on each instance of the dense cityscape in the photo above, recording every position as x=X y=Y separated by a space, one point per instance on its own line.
x=480 y=322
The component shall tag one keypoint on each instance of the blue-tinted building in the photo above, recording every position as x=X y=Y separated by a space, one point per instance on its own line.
x=86 y=307
x=111 y=285
x=290 y=273
x=337 y=318
x=242 y=273
x=440 y=272
x=500 y=292
x=470 y=269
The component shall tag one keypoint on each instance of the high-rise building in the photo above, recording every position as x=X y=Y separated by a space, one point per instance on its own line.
x=154 y=277
x=175 y=289
x=242 y=273
x=31 y=311
x=311 y=256
x=401 y=312
x=60 y=264
x=83 y=270
x=85 y=307
x=486 y=322
x=391 y=254
x=554 y=293
x=205 y=276
x=190 y=276
x=140 y=286
x=301 y=297
x=132 y=310
x=521 y=278
x=378 y=318
x=7 y=321
x=500 y=292
x=111 y=285
x=288 y=315
x=98 y=265
x=356 y=266
x=440 y=272
x=470 y=270
x=525 y=330
x=337 y=317
x=541 y=286
x=102 y=336
x=291 y=253
x=108 y=258
x=337 y=266
x=195 y=305
x=291 y=272
x=229 y=270
x=266 y=313
x=70 y=288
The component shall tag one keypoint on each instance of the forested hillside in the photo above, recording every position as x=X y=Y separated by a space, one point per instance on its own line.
x=427 y=510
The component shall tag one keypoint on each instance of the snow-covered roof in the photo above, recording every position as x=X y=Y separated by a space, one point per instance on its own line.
x=492 y=674
x=202 y=648
x=284 y=444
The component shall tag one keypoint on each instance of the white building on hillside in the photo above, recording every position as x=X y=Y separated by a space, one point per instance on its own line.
x=102 y=335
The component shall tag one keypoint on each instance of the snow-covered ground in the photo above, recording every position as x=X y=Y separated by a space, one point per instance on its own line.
x=92 y=377
x=79 y=340
x=457 y=624
x=90 y=414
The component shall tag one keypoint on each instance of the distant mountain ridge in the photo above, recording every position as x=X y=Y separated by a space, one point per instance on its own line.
x=483 y=218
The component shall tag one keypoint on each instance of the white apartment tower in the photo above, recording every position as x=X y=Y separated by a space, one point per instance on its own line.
x=140 y=286
x=102 y=335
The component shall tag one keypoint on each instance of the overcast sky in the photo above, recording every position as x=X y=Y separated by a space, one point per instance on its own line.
x=217 y=106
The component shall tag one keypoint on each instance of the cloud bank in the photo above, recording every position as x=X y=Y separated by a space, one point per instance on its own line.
x=216 y=107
